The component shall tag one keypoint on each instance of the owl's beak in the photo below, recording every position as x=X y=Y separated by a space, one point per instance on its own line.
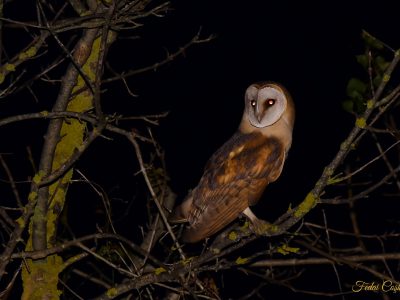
x=258 y=114
x=259 y=117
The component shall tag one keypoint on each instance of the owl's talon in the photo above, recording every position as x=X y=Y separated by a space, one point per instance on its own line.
x=260 y=227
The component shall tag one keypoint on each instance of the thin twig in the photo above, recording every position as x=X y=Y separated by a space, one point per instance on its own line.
x=11 y=180
x=154 y=67
x=77 y=242
x=382 y=154
x=290 y=262
x=132 y=139
x=364 y=193
x=341 y=260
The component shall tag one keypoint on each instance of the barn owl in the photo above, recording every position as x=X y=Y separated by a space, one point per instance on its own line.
x=237 y=173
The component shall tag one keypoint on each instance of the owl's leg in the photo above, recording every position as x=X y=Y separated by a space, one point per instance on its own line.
x=258 y=226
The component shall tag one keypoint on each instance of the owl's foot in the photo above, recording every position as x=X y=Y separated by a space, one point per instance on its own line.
x=258 y=226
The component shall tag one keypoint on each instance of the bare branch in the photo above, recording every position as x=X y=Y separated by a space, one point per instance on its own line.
x=287 y=262
x=154 y=67
x=11 y=180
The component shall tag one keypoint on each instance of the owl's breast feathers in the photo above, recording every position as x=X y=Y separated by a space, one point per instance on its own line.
x=234 y=178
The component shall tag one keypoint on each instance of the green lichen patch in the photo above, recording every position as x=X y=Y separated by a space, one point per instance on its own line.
x=31 y=52
x=159 y=270
x=272 y=228
x=335 y=179
x=187 y=260
x=308 y=203
x=32 y=196
x=370 y=104
x=232 y=236
x=263 y=228
x=40 y=278
x=111 y=293
x=38 y=177
x=215 y=250
x=361 y=122
x=241 y=261
x=245 y=227
x=9 y=67
x=386 y=78
x=20 y=221
x=344 y=146
x=44 y=113
x=285 y=250
x=73 y=134
x=58 y=192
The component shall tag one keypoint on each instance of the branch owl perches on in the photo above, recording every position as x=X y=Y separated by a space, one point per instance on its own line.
x=237 y=173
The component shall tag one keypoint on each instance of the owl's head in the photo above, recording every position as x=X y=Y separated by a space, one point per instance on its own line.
x=266 y=103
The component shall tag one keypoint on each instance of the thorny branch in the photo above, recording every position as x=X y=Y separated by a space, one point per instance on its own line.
x=224 y=244
x=93 y=19
x=170 y=57
x=178 y=272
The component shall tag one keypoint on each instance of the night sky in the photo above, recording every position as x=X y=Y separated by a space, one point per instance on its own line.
x=309 y=48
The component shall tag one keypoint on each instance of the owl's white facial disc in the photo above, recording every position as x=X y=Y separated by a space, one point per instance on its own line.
x=264 y=106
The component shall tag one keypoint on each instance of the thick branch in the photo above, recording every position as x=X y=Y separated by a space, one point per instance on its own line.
x=81 y=54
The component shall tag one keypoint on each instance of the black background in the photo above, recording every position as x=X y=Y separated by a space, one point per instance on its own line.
x=309 y=48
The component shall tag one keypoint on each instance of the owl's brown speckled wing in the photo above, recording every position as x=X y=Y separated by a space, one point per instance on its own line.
x=234 y=178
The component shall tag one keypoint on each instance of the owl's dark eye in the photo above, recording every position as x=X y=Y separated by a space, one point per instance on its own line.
x=270 y=102
x=253 y=103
